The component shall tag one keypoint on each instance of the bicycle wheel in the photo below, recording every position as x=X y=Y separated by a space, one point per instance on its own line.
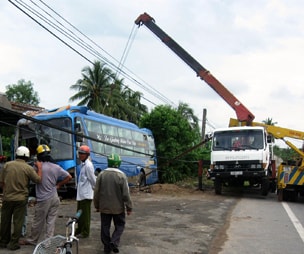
x=50 y=245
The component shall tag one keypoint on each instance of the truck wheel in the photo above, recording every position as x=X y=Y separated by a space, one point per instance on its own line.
x=285 y=195
x=294 y=196
x=280 y=195
x=273 y=186
x=218 y=186
x=265 y=186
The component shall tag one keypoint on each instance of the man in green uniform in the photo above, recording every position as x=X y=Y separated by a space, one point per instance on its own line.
x=14 y=180
x=112 y=199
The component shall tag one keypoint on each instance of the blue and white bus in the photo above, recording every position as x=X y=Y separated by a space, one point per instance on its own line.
x=65 y=129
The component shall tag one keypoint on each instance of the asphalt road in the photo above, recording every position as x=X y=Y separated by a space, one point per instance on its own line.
x=162 y=222
x=262 y=225
x=174 y=220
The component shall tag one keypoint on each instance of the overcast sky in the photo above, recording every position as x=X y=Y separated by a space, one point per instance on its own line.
x=254 y=48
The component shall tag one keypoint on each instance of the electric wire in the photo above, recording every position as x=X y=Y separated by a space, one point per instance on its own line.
x=68 y=131
x=62 y=29
x=121 y=62
x=70 y=35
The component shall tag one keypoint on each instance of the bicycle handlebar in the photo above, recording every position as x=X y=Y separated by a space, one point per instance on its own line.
x=74 y=218
x=78 y=214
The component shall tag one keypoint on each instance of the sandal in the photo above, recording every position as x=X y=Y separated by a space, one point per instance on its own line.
x=25 y=242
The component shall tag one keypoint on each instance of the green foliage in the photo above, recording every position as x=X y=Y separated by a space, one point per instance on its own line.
x=101 y=91
x=7 y=134
x=22 y=92
x=174 y=134
x=269 y=121
x=286 y=154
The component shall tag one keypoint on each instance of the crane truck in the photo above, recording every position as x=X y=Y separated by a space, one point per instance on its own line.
x=231 y=164
x=290 y=174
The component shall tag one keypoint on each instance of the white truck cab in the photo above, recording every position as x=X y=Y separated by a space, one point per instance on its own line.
x=240 y=154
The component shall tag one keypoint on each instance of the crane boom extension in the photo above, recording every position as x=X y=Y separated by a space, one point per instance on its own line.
x=243 y=114
x=278 y=133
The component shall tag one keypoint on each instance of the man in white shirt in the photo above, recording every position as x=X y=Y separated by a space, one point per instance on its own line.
x=85 y=192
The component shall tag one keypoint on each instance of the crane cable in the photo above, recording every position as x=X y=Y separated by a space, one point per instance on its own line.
x=126 y=50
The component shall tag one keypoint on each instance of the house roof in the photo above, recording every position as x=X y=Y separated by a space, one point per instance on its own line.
x=11 y=112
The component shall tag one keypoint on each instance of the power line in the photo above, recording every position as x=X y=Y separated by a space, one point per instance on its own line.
x=120 y=63
x=75 y=39
x=69 y=131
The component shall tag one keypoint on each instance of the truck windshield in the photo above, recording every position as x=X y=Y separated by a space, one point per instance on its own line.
x=238 y=139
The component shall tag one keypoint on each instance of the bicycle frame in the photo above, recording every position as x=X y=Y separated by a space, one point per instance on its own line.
x=59 y=244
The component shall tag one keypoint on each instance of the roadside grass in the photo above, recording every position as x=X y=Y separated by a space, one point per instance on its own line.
x=193 y=183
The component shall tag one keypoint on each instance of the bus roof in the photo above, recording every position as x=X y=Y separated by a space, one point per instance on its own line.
x=71 y=111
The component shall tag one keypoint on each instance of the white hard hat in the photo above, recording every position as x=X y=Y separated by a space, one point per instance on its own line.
x=23 y=151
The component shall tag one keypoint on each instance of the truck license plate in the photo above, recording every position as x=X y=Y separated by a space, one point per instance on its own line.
x=236 y=173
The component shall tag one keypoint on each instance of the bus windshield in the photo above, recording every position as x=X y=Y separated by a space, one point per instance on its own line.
x=60 y=142
x=238 y=139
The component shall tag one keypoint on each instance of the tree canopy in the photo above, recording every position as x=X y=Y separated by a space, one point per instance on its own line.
x=22 y=92
x=174 y=134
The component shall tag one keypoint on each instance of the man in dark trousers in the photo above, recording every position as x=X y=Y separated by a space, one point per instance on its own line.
x=85 y=187
x=14 y=179
x=112 y=198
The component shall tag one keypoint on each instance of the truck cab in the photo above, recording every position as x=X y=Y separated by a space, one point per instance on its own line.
x=240 y=154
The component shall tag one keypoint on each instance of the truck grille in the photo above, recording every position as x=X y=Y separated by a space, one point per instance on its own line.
x=224 y=166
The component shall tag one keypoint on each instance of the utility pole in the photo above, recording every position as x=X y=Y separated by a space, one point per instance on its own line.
x=204 y=123
x=200 y=163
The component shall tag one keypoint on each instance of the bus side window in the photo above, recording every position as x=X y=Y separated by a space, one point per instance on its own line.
x=111 y=149
x=95 y=127
x=107 y=129
x=98 y=147
x=137 y=136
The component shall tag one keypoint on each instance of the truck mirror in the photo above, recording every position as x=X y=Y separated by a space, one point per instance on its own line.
x=269 y=139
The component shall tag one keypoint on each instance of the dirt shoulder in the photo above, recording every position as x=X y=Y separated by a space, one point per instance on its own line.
x=166 y=219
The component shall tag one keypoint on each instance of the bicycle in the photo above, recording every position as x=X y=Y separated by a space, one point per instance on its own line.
x=59 y=244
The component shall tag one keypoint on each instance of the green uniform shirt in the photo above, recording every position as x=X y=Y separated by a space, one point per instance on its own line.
x=111 y=193
x=16 y=176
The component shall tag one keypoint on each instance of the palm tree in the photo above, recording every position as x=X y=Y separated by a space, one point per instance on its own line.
x=101 y=91
x=94 y=87
x=125 y=103
x=188 y=114
x=134 y=108
x=269 y=121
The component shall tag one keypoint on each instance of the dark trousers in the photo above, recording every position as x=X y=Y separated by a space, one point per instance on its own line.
x=84 y=221
x=12 y=210
x=119 y=226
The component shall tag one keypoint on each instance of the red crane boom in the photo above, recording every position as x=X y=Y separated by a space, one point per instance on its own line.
x=243 y=114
